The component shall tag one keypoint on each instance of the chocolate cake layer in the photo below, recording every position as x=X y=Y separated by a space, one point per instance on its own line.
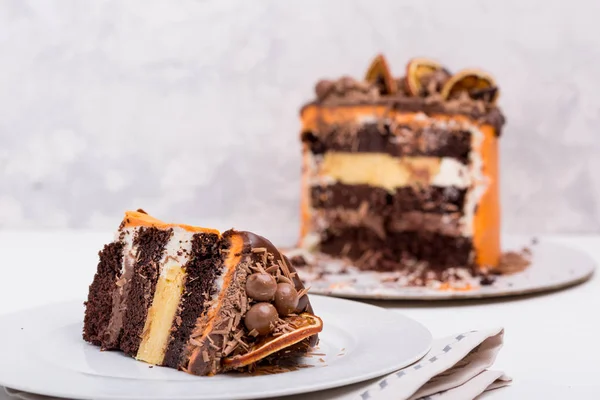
x=430 y=199
x=392 y=252
x=340 y=218
x=149 y=244
x=112 y=335
x=202 y=271
x=100 y=299
x=399 y=141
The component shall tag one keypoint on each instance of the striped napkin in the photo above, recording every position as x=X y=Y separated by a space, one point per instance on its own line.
x=456 y=368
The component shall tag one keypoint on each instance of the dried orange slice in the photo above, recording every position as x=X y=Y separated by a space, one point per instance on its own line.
x=379 y=74
x=305 y=325
x=417 y=72
x=479 y=85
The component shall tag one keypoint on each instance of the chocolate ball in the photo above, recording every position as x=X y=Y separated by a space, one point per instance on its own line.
x=286 y=299
x=347 y=82
x=261 y=317
x=323 y=88
x=261 y=286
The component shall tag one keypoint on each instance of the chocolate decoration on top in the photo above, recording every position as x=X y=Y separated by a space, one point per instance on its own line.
x=323 y=88
x=242 y=323
x=379 y=74
x=261 y=317
x=432 y=96
x=255 y=241
x=261 y=286
x=286 y=299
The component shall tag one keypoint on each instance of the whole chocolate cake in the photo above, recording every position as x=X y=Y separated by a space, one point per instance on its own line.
x=398 y=171
x=197 y=300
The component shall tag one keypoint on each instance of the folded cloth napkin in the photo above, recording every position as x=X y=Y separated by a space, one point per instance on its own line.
x=456 y=368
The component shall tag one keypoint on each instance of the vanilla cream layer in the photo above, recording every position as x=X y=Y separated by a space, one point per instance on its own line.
x=167 y=295
x=388 y=172
x=159 y=321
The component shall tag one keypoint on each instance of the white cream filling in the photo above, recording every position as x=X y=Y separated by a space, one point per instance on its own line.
x=129 y=254
x=178 y=250
x=452 y=173
x=218 y=285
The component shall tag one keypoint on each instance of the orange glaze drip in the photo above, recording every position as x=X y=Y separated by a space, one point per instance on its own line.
x=135 y=218
x=447 y=286
x=486 y=238
x=486 y=229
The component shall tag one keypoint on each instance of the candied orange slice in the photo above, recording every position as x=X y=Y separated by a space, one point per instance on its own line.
x=417 y=69
x=379 y=74
x=479 y=85
x=305 y=325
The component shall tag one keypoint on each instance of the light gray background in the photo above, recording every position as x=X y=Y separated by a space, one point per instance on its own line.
x=189 y=109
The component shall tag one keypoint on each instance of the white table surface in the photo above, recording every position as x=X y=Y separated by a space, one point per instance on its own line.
x=551 y=341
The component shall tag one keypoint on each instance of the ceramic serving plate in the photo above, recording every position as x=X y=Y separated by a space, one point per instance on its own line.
x=553 y=266
x=42 y=352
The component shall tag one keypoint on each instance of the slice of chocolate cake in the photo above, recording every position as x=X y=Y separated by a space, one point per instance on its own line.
x=197 y=300
x=403 y=171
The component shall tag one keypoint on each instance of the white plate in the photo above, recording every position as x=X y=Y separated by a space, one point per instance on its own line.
x=41 y=351
x=553 y=266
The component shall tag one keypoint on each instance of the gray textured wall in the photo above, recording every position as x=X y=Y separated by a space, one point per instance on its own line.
x=189 y=108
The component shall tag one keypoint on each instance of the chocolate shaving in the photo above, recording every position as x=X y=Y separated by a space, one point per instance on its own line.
x=205 y=357
x=229 y=325
x=260 y=268
x=196 y=334
x=272 y=269
x=231 y=346
x=284 y=268
x=243 y=303
x=303 y=291
x=237 y=319
x=238 y=335
x=284 y=279
x=246 y=268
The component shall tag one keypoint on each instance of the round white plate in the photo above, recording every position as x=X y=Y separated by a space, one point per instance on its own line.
x=41 y=351
x=553 y=266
